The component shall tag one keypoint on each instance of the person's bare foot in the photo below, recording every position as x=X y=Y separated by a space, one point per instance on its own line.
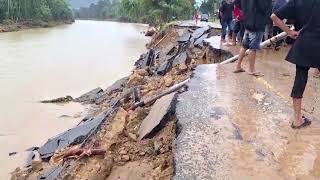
x=239 y=70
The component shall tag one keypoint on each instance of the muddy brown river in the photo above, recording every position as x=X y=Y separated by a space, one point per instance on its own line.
x=43 y=64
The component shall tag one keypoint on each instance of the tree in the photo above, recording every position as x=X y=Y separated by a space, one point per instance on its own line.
x=17 y=10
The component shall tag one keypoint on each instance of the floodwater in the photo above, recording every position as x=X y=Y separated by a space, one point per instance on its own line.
x=41 y=64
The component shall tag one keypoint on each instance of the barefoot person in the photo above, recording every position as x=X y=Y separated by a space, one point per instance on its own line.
x=304 y=53
x=256 y=16
x=226 y=10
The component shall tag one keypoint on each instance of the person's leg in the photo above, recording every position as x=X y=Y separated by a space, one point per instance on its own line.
x=242 y=54
x=254 y=45
x=223 y=31
x=299 y=86
x=231 y=30
x=252 y=61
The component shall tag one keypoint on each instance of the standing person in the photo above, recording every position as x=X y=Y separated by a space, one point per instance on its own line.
x=256 y=16
x=306 y=15
x=239 y=26
x=226 y=10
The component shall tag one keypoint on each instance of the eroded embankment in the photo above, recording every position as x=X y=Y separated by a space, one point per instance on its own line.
x=131 y=130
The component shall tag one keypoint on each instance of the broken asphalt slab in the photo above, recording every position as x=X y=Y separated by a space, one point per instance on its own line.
x=161 y=110
x=76 y=135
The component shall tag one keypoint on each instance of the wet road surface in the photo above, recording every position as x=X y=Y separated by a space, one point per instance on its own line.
x=235 y=126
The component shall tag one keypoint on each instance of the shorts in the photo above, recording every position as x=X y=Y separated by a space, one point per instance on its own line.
x=252 y=40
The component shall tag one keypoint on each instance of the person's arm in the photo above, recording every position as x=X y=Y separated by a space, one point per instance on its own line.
x=285 y=12
x=278 y=22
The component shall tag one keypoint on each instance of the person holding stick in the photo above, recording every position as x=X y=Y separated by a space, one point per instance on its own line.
x=306 y=15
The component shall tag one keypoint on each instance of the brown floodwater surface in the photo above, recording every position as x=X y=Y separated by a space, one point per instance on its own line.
x=47 y=63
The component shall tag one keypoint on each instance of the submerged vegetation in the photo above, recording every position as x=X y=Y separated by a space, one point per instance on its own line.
x=34 y=10
x=146 y=11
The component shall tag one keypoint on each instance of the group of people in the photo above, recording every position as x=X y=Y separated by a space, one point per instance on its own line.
x=231 y=19
x=254 y=16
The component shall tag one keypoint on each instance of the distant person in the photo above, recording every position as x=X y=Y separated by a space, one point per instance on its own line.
x=256 y=16
x=226 y=16
x=238 y=19
x=304 y=52
x=276 y=30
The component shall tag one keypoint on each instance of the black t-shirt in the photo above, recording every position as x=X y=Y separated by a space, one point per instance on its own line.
x=306 y=15
x=226 y=10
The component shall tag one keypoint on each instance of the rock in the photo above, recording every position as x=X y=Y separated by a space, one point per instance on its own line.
x=116 y=86
x=184 y=38
x=151 y=31
x=168 y=80
x=59 y=100
x=125 y=158
x=164 y=68
x=52 y=173
x=13 y=153
x=73 y=136
x=90 y=97
x=36 y=165
x=180 y=59
x=135 y=79
x=133 y=136
x=182 y=68
x=148 y=59
x=142 y=72
x=28 y=160
x=162 y=109
x=142 y=153
x=123 y=152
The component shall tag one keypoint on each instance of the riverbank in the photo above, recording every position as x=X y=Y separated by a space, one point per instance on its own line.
x=12 y=26
x=133 y=120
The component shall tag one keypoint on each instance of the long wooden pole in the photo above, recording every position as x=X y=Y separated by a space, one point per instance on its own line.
x=266 y=43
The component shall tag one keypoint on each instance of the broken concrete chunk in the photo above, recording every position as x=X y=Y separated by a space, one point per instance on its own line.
x=162 y=109
x=121 y=83
x=180 y=59
x=59 y=100
x=90 y=97
x=199 y=32
x=184 y=38
x=73 y=136
x=201 y=39
x=164 y=68
x=148 y=60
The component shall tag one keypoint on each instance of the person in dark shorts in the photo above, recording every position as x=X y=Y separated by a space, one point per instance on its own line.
x=256 y=16
x=226 y=10
x=304 y=52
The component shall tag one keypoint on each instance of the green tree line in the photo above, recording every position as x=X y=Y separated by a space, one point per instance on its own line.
x=147 y=11
x=24 y=10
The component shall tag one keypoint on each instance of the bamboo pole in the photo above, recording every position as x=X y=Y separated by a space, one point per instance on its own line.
x=266 y=43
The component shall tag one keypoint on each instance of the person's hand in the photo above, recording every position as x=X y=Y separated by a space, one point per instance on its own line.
x=294 y=34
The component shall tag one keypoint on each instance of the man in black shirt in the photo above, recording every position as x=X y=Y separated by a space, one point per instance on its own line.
x=226 y=10
x=304 y=52
x=256 y=16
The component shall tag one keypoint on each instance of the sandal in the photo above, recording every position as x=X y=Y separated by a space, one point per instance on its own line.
x=239 y=71
x=256 y=74
x=306 y=123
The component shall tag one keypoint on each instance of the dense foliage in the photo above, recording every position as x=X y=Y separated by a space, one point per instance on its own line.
x=20 y=10
x=210 y=6
x=149 y=11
